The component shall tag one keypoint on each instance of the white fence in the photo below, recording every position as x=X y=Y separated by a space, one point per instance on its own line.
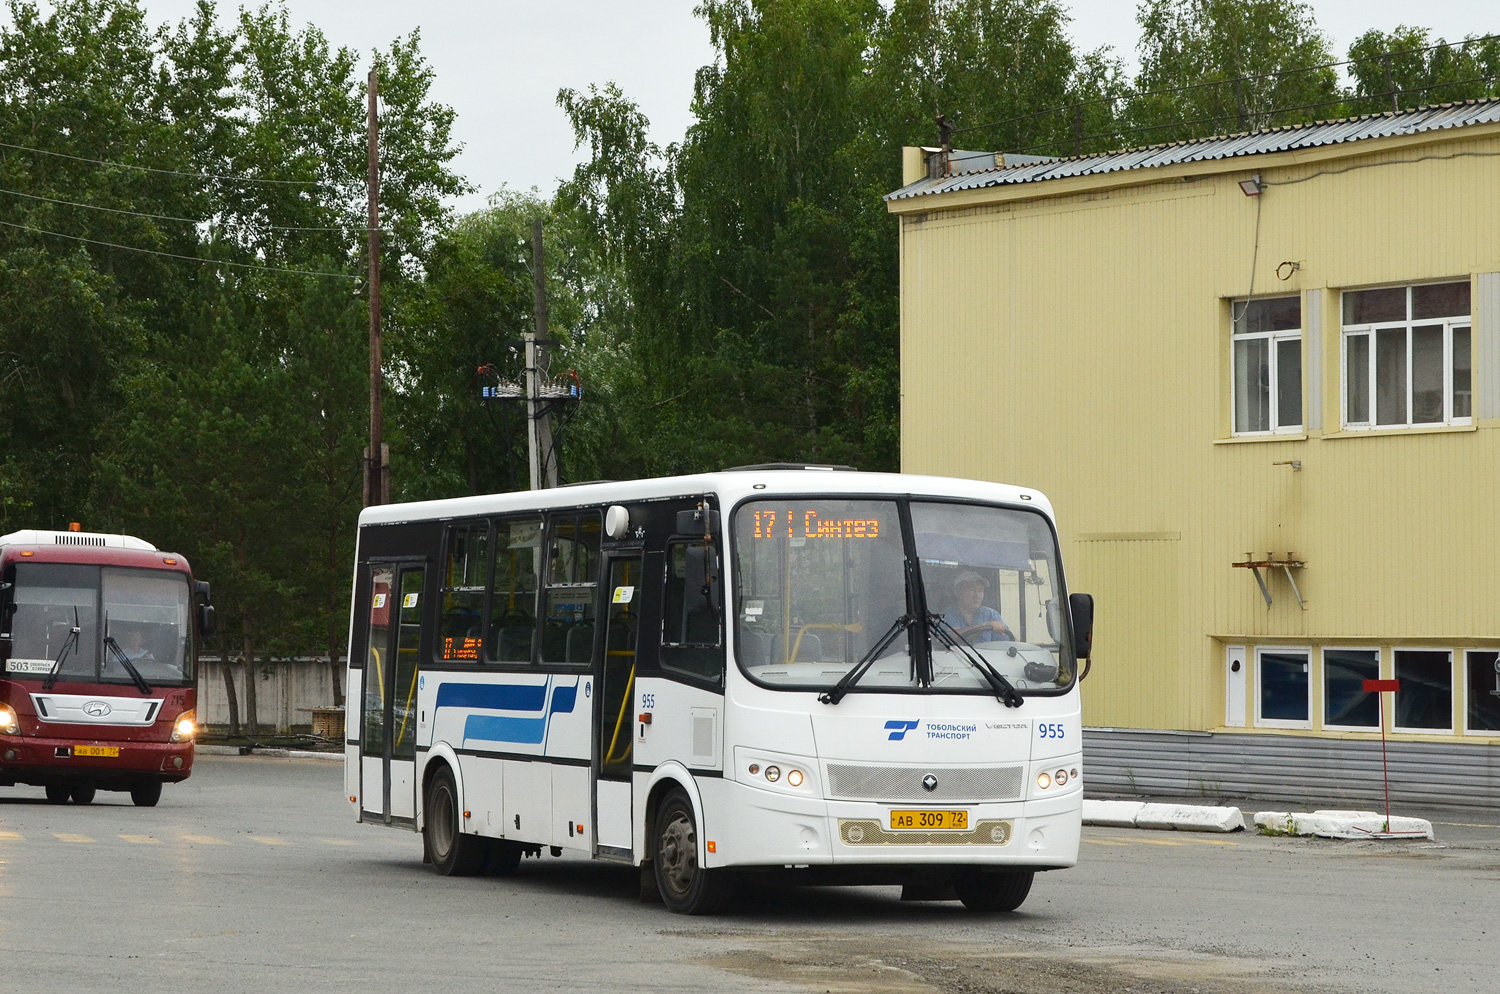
x=285 y=691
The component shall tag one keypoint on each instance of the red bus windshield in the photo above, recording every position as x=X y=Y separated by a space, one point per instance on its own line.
x=95 y=624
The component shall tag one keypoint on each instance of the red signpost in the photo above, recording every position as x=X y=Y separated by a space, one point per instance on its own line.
x=1379 y=688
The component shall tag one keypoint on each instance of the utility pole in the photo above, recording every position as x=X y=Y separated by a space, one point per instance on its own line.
x=377 y=456
x=542 y=457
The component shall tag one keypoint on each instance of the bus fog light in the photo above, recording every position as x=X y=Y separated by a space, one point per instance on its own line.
x=773 y=773
x=794 y=778
x=1043 y=780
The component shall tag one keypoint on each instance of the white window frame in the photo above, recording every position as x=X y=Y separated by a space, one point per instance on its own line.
x=1453 y=695
x=1272 y=339
x=1480 y=732
x=1370 y=331
x=1261 y=722
x=1323 y=686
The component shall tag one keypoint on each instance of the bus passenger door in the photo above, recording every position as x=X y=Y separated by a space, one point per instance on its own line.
x=615 y=719
x=388 y=734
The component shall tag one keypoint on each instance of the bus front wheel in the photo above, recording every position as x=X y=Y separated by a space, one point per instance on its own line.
x=996 y=891
x=453 y=853
x=686 y=887
x=146 y=793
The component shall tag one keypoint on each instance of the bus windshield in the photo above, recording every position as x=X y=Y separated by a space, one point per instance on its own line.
x=818 y=584
x=63 y=613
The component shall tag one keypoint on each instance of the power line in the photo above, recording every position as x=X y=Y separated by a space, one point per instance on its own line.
x=1342 y=101
x=174 y=255
x=159 y=217
x=163 y=172
x=1136 y=95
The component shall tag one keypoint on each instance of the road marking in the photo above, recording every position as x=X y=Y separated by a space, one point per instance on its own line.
x=267 y=840
x=12 y=837
x=70 y=837
x=1104 y=842
x=1213 y=842
x=141 y=840
x=1466 y=824
x=338 y=842
x=1160 y=842
x=204 y=840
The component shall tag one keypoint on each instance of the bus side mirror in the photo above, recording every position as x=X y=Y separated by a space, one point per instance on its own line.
x=1082 y=607
x=201 y=586
x=207 y=624
x=701 y=575
x=698 y=521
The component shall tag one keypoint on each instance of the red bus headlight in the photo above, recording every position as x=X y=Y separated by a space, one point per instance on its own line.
x=186 y=727
x=8 y=724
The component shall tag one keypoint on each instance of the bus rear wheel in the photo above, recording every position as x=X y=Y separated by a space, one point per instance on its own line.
x=83 y=794
x=146 y=794
x=58 y=793
x=453 y=853
x=686 y=887
x=994 y=891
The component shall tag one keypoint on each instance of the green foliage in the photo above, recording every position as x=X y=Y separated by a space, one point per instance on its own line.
x=1406 y=67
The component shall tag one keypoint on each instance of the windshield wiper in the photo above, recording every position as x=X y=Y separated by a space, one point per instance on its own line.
x=68 y=644
x=1005 y=691
x=135 y=674
x=837 y=692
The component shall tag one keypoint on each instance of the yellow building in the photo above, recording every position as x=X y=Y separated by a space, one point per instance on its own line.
x=1259 y=377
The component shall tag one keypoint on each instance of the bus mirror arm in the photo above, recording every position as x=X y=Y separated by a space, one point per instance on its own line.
x=1082 y=608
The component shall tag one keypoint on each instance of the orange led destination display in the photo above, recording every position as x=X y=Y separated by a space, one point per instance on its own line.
x=461 y=648
x=792 y=523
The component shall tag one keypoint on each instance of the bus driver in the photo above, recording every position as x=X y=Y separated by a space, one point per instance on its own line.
x=970 y=616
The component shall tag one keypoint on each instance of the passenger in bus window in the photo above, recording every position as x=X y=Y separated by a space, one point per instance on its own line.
x=970 y=615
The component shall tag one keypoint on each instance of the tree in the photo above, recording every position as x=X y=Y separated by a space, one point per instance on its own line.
x=1406 y=68
x=1224 y=66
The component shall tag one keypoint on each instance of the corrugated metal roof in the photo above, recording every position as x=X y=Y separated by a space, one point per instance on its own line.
x=1407 y=122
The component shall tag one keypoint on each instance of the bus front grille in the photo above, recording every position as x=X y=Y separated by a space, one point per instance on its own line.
x=847 y=781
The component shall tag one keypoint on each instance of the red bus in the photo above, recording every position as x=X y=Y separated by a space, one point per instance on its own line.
x=98 y=674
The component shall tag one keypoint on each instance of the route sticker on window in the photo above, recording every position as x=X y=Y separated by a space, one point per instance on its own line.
x=379 y=601
x=410 y=600
x=29 y=665
x=754 y=608
x=624 y=595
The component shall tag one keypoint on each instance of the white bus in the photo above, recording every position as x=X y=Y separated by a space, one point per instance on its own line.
x=839 y=677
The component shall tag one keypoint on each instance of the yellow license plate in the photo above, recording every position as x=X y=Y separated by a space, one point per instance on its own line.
x=96 y=751
x=928 y=821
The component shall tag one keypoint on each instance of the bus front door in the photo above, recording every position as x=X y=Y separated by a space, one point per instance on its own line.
x=388 y=734
x=614 y=718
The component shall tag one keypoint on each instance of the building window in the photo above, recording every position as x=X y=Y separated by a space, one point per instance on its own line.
x=1483 y=685
x=518 y=554
x=1345 y=703
x=1282 y=688
x=1407 y=356
x=1267 y=359
x=1424 y=702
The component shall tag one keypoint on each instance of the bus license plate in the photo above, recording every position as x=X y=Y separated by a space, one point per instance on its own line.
x=112 y=751
x=927 y=821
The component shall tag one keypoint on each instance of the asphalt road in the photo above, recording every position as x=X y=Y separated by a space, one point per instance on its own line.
x=252 y=876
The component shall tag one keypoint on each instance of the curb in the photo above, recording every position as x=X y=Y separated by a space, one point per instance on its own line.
x=1203 y=818
x=271 y=752
x=1173 y=817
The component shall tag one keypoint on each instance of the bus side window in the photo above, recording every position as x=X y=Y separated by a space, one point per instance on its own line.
x=465 y=572
x=692 y=631
x=572 y=583
x=518 y=559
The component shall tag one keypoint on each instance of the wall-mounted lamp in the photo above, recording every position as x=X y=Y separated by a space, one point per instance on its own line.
x=1252 y=186
x=1296 y=464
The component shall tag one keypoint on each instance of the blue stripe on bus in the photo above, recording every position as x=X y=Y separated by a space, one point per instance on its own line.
x=563 y=699
x=493 y=696
x=496 y=728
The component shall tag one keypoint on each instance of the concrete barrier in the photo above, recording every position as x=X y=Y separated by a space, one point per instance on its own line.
x=1342 y=825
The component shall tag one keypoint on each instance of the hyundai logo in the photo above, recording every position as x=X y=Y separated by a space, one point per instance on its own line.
x=97 y=709
x=929 y=783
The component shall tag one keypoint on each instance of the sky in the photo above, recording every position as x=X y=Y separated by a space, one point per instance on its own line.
x=500 y=63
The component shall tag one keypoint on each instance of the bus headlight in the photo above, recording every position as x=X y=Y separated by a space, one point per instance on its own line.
x=186 y=727
x=8 y=723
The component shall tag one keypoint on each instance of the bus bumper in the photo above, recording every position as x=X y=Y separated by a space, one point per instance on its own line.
x=41 y=761
x=774 y=829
